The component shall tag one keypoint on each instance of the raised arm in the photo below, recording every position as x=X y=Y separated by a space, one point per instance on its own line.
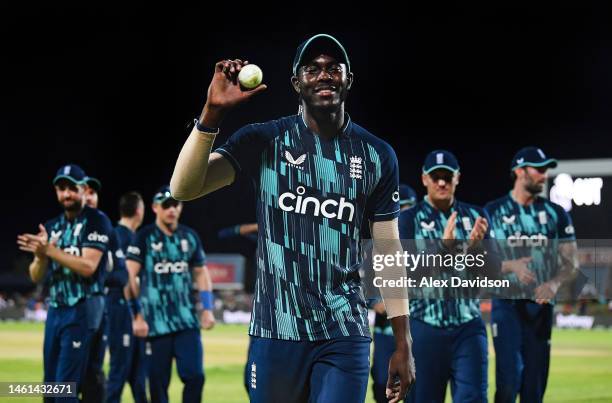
x=198 y=171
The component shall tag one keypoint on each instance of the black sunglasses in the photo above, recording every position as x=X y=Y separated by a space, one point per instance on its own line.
x=166 y=204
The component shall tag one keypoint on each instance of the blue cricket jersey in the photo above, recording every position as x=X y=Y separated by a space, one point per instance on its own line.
x=166 y=281
x=534 y=230
x=425 y=222
x=314 y=195
x=90 y=229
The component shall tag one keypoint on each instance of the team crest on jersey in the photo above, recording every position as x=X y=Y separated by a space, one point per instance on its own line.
x=157 y=247
x=428 y=227
x=295 y=162
x=185 y=245
x=509 y=220
x=467 y=224
x=542 y=217
x=356 y=167
x=77 y=229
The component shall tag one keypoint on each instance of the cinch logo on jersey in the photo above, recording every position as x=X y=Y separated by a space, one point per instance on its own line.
x=73 y=250
x=95 y=237
x=171 y=267
x=520 y=240
x=329 y=208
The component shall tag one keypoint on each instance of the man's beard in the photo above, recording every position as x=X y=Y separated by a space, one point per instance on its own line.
x=534 y=188
x=72 y=207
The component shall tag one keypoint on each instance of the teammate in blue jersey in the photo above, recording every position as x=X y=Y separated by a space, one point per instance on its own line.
x=94 y=383
x=449 y=331
x=127 y=353
x=70 y=252
x=168 y=259
x=539 y=250
x=384 y=342
x=319 y=179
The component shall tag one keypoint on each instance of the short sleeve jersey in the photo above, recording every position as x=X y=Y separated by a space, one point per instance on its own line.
x=314 y=195
x=166 y=281
x=90 y=229
x=534 y=230
x=424 y=222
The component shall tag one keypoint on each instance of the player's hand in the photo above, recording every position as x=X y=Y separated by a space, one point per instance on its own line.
x=140 y=326
x=449 y=230
x=479 y=231
x=224 y=91
x=207 y=319
x=401 y=374
x=546 y=292
x=35 y=243
x=379 y=308
x=521 y=270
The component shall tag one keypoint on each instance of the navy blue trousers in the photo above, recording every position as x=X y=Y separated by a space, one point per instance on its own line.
x=521 y=337
x=127 y=353
x=186 y=347
x=329 y=371
x=66 y=346
x=456 y=354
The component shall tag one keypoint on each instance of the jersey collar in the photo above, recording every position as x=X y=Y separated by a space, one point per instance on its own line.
x=346 y=129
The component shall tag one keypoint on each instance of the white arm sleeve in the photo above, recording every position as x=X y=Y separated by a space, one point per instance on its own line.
x=197 y=170
x=385 y=236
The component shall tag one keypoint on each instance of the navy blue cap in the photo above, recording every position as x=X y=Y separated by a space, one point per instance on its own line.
x=162 y=194
x=72 y=172
x=532 y=157
x=407 y=195
x=323 y=43
x=93 y=183
x=440 y=159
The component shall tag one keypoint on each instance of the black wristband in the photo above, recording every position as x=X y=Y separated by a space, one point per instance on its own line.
x=204 y=128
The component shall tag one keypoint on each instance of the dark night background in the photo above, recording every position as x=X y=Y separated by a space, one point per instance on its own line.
x=114 y=91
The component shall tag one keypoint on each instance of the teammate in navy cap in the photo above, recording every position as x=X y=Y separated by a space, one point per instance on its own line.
x=167 y=258
x=70 y=252
x=127 y=353
x=539 y=251
x=320 y=179
x=449 y=330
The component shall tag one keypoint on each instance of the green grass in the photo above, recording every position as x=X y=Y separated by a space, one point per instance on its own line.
x=581 y=365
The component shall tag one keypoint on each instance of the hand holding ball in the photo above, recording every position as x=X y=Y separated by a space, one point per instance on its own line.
x=250 y=76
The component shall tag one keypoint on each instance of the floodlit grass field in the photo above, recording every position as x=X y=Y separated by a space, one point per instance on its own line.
x=581 y=367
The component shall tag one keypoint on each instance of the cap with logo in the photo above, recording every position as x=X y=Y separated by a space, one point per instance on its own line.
x=162 y=194
x=71 y=172
x=320 y=44
x=407 y=195
x=93 y=183
x=440 y=159
x=532 y=157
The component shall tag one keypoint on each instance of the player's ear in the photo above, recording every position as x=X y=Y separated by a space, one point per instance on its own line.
x=424 y=179
x=295 y=83
x=349 y=78
x=456 y=178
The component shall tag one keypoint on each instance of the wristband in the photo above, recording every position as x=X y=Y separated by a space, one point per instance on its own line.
x=206 y=298
x=201 y=128
x=134 y=306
